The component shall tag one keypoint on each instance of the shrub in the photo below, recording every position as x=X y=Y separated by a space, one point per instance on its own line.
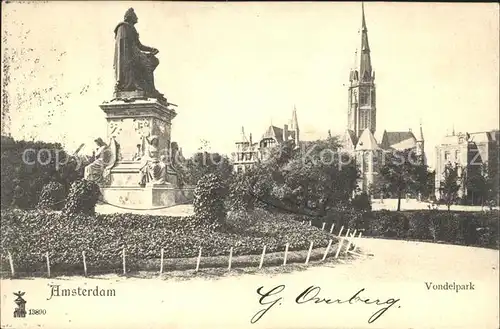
x=209 y=196
x=240 y=197
x=82 y=198
x=52 y=196
x=389 y=224
x=422 y=227
x=362 y=202
x=447 y=227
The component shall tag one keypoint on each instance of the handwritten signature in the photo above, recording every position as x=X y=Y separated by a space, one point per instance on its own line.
x=310 y=295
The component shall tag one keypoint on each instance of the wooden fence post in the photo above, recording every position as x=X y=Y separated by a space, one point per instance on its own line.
x=347 y=234
x=11 y=263
x=161 y=261
x=286 y=253
x=327 y=249
x=198 y=261
x=354 y=234
x=323 y=227
x=230 y=259
x=262 y=257
x=341 y=229
x=331 y=228
x=309 y=253
x=310 y=222
x=340 y=247
x=124 y=263
x=84 y=263
x=48 y=263
x=349 y=241
x=355 y=243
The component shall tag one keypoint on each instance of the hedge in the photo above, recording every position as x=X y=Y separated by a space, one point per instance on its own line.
x=28 y=235
x=455 y=227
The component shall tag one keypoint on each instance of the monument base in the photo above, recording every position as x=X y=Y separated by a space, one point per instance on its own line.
x=155 y=196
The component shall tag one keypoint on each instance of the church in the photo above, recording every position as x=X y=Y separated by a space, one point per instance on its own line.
x=359 y=138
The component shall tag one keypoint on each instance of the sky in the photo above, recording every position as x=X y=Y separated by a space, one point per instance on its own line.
x=228 y=65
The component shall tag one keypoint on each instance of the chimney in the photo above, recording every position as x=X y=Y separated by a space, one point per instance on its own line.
x=285 y=133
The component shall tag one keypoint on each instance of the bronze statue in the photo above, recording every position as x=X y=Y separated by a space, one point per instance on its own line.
x=134 y=63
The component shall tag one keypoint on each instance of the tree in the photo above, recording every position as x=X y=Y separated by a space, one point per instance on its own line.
x=312 y=179
x=481 y=181
x=493 y=182
x=424 y=183
x=402 y=172
x=450 y=185
x=203 y=163
x=476 y=183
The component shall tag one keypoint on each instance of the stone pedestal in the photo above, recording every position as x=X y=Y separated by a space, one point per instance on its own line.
x=130 y=122
x=154 y=196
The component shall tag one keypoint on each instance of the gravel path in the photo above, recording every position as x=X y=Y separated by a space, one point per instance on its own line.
x=397 y=269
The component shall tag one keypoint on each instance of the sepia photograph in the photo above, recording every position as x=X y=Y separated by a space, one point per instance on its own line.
x=204 y=164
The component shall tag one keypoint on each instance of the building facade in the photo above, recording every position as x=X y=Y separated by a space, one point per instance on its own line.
x=469 y=151
x=248 y=153
x=359 y=139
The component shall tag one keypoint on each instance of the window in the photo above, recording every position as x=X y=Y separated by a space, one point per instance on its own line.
x=457 y=155
x=363 y=97
x=239 y=169
x=364 y=120
x=446 y=156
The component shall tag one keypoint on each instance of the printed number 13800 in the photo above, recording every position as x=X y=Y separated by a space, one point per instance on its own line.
x=37 y=312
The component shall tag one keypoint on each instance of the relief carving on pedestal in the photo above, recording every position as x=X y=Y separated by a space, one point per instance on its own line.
x=142 y=127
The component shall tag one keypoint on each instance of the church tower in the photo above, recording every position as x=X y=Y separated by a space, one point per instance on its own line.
x=362 y=101
x=420 y=145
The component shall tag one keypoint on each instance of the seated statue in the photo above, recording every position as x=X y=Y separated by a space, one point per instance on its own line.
x=153 y=169
x=134 y=63
x=104 y=159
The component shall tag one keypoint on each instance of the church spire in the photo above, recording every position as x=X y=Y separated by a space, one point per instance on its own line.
x=421 y=133
x=365 y=67
x=295 y=122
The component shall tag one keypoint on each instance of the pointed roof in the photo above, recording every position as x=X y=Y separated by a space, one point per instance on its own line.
x=349 y=140
x=367 y=141
x=295 y=122
x=420 y=136
x=399 y=140
x=351 y=135
x=365 y=65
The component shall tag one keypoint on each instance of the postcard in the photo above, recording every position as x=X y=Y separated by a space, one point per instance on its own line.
x=249 y=165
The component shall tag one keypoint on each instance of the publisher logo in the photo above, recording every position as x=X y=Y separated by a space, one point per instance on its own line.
x=20 y=311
